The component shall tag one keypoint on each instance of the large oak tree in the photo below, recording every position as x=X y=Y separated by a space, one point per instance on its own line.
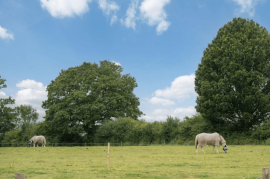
x=83 y=97
x=233 y=79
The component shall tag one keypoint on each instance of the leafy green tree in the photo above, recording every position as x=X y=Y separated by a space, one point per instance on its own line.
x=156 y=133
x=121 y=129
x=170 y=128
x=262 y=132
x=7 y=113
x=233 y=79
x=26 y=114
x=83 y=97
x=22 y=135
x=191 y=126
x=26 y=118
x=12 y=137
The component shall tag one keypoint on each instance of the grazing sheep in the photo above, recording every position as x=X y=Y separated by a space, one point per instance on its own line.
x=210 y=139
x=40 y=139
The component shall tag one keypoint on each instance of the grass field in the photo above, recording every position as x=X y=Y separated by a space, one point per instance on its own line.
x=134 y=162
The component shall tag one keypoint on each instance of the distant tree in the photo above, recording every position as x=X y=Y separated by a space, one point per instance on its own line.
x=26 y=118
x=26 y=114
x=233 y=79
x=22 y=135
x=121 y=129
x=170 y=128
x=12 y=137
x=83 y=97
x=191 y=126
x=7 y=113
x=262 y=132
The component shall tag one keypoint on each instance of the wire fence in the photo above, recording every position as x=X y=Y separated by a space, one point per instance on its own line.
x=181 y=143
x=57 y=144
x=68 y=144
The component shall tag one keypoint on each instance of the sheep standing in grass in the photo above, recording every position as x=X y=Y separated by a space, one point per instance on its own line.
x=40 y=139
x=214 y=139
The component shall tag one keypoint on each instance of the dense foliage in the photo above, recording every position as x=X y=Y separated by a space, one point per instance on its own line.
x=233 y=79
x=139 y=132
x=24 y=125
x=7 y=113
x=82 y=98
x=173 y=130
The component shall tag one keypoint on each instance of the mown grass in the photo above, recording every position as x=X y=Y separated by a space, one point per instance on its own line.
x=158 y=162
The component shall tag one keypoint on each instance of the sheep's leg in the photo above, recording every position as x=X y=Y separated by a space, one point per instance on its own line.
x=217 y=149
x=213 y=148
x=202 y=149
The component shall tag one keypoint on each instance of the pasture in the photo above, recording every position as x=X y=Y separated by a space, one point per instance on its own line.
x=159 y=162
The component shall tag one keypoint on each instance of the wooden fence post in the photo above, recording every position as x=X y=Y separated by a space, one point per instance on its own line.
x=19 y=176
x=265 y=173
x=109 y=155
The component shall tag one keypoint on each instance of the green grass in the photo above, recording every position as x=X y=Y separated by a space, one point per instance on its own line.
x=157 y=162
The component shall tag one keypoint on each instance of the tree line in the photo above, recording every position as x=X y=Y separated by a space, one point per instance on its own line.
x=139 y=132
x=95 y=102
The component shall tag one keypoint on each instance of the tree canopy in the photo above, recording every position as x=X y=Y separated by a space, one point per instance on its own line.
x=233 y=79
x=83 y=97
x=7 y=114
x=26 y=115
x=26 y=119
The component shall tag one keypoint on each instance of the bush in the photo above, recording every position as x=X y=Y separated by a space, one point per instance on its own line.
x=267 y=142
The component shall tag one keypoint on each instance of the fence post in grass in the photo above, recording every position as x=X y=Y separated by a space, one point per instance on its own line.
x=19 y=176
x=265 y=173
x=109 y=155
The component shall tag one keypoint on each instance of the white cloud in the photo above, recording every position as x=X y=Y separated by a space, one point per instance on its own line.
x=162 y=114
x=3 y=95
x=31 y=93
x=153 y=11
x=109 y=7
x=163 y=26
x=177 y=112
x=182 y=112
x=30 y=84
x=247 y=6
x=116 y=63
x=131 y=15
x=114 y=19
x=65 y=8
x=180 y=88
x=161 y=101
x=5 y=34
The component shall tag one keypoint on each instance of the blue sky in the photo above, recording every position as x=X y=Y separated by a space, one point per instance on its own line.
x=159 y=42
